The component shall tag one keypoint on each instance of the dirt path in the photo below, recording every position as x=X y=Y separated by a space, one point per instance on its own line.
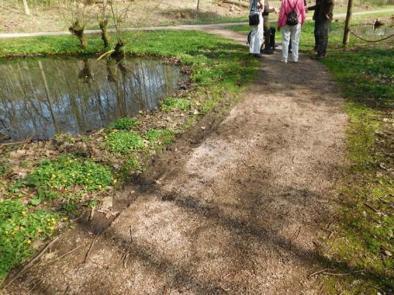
x=237 y=210
x=175 y=27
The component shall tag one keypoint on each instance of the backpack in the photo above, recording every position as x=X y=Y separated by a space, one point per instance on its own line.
x=254 y=19
x=254 y=14
x=292 y=17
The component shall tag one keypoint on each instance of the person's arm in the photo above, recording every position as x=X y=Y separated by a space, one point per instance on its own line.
x=330 y=9
x=312 y=7
x=261 y=4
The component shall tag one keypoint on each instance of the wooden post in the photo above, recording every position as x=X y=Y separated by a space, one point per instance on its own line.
x=26 y=6
x=347 y=23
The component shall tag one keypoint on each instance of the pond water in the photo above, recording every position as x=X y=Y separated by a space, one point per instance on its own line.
x=42 y=97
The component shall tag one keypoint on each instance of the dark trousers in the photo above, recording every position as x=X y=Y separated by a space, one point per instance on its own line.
x=321 y=36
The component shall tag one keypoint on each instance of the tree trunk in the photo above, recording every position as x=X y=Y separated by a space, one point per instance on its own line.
x=26 y=6
x=347 y=23
x=198 y=7
x=104 y=33
x=78 y=30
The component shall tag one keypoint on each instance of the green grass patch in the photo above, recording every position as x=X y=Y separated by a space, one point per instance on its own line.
x=124 y=142
x=159 y=137
x=65 y=173
x=19 y=227
x=124 y=124
x=171 y=104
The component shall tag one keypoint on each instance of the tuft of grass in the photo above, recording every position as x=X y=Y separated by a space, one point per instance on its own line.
x=18 y=229
x=130 y=166
x=124 y=142
x=170 y=104
x=124 y=124
x=159 y=137
x=65 y=173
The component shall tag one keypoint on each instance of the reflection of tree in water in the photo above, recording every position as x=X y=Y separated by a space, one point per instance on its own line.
x=41 y=97
x=110 y=73
x=85 y=74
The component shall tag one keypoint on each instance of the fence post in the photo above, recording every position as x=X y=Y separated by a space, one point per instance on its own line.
x=347 y=22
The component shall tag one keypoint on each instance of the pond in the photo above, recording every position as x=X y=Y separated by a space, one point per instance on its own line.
x=41 y=97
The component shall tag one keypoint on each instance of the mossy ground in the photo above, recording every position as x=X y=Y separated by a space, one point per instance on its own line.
x=60 y=177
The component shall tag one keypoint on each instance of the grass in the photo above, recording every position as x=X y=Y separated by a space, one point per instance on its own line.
x=124 y=124
x=64 y=182
x=171 y=104
x=365 y=234
x=159 y=137
x=124 y=142
x=66 y=172
x=19 y=228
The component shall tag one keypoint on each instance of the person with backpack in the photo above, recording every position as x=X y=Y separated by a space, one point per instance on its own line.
x=256 y=22
x=322 y=16
x=291 y=18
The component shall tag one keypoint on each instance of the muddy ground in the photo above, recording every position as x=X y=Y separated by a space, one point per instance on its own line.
x=236 y=206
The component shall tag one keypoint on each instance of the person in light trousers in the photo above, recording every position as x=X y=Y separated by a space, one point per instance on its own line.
x=291 y=32
x=257 y=33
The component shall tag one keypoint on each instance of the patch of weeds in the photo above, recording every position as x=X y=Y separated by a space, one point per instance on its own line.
x=3 y=168
x=18 y=229
x=159 y=137
x=124 y=124
x=171 y=103
x=64 y=138
x=124 y=142
x=131 y=166
x=67 y=172
x=70 y=207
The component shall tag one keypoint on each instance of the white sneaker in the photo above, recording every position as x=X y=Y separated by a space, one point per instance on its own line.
x=284 y=60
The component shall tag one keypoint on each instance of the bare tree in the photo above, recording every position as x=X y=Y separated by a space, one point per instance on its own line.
x=103 y=23
x=77 y=9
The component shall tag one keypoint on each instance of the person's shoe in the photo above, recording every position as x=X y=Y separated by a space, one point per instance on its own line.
x=295 y=61
x=268 y=51
x=284 y=61
x=257 y=55
x=319 y=56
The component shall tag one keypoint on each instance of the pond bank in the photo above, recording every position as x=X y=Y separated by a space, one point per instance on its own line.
x=61 y=186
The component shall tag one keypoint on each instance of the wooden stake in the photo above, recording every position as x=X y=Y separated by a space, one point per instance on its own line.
x=347 y=23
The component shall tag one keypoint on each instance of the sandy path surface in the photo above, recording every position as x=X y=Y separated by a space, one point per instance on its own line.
x=238 y=213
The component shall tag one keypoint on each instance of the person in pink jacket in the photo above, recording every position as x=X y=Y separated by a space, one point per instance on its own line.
x=291 y=18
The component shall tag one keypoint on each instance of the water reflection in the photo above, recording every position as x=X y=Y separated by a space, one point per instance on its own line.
x=42 y=97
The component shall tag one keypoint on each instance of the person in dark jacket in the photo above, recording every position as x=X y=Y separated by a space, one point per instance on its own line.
x=323 y=14
x=269 y=33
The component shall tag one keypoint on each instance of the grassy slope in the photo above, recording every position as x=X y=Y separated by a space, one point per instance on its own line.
x=32 y=207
